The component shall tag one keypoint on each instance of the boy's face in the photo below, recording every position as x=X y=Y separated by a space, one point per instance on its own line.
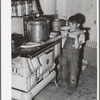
x=73 y=26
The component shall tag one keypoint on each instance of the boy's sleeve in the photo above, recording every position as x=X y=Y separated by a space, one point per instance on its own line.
x=82 y=39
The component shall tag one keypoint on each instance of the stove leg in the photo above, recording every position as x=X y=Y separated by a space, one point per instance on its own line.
x=56 y=83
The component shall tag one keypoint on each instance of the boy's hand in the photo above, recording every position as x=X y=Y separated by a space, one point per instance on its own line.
x=77 y=34
x=80 y=32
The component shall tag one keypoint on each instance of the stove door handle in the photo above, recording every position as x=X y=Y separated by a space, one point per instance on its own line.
x=47 y=52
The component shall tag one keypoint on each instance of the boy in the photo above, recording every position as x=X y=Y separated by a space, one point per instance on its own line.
x=69 y=59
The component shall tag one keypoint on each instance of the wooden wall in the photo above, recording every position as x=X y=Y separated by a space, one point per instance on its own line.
x=87 y=7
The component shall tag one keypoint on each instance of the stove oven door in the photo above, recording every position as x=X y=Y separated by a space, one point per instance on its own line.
x=46 y=59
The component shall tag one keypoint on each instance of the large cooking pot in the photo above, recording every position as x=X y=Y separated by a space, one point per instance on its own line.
x=57 y=24
x=37 y=30
x=48 y=23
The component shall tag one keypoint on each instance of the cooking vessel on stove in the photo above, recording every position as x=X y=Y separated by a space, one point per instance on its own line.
x=57 y=24
x=37 y=30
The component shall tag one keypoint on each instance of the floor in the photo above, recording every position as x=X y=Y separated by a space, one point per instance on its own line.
x=87 y=88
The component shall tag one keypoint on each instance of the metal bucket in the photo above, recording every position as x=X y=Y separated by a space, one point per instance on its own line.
x=85 y=64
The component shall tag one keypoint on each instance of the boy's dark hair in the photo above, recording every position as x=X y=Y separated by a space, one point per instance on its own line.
x=75 y=19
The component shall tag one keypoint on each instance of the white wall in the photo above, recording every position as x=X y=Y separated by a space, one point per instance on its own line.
x=87 y=7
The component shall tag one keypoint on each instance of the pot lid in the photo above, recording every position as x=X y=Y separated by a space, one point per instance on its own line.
x=40 y=19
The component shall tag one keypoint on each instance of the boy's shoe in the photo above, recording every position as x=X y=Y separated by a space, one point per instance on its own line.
x=71 y=89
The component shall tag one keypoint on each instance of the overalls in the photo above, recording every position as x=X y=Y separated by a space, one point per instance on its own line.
x=69 y=61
